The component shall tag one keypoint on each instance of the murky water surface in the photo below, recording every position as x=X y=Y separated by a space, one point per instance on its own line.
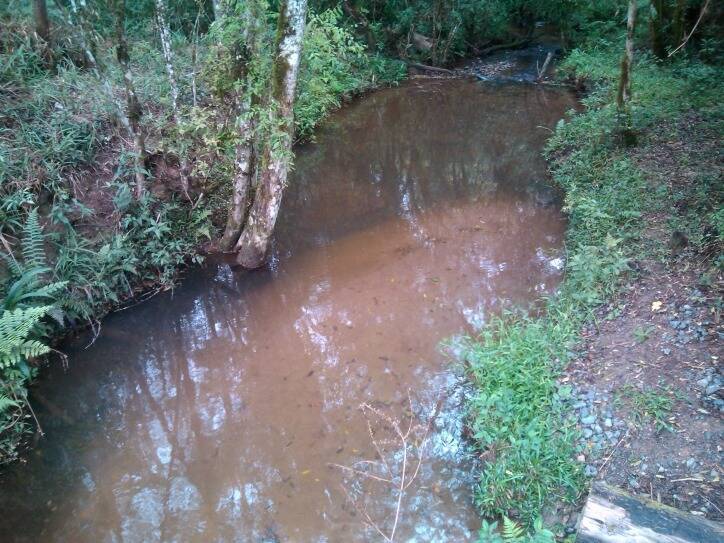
x=216 y=413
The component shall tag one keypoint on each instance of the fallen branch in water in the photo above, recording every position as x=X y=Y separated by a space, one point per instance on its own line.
x=430 y=68
x=501 y=46
x=544 y=69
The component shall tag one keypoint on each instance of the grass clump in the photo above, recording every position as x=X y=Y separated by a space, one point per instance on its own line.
x=647 y=404
x=518 y=418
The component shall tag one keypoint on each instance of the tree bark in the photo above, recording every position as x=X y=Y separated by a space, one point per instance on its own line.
x=164 y=32
x=254 y=241
x=613 y=516
x=624 y=86
x=133 y=105
x=242 y=176
x=677 y=30
x=244 y=167
x=42 y=23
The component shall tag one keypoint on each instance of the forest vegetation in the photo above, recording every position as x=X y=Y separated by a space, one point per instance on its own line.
x=135 y=135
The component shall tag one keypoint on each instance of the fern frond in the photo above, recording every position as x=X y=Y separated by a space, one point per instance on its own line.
x=28 y=286
x=46 y=291
x=13 y=265
x=512 y=531
x=6 y=403
x=33 y=244
x=15 y=328
x=75 y=308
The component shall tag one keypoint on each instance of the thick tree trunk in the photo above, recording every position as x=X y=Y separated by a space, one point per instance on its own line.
x=242 y=177
x=624 y=85
x=244 y=125
x=217 y=9
x=164 y=32
x=254 y=241
x=677 y=30
x=133 y=105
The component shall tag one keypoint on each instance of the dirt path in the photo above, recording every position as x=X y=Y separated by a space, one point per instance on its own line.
x=649 y=381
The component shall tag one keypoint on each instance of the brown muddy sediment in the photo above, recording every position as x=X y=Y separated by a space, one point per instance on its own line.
x=213 y=413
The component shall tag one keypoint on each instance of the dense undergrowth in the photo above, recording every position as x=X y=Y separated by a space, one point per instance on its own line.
x=75 y=241
x=519 y=414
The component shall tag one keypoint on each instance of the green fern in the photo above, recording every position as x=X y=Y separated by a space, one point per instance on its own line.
x=33 y=242
x=16 y=330
x=6 y=403
x=512 y=531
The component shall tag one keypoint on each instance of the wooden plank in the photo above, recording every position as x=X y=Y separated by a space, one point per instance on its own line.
x=614 y=516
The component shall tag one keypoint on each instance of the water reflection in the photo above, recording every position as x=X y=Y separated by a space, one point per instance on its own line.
x=212 y=414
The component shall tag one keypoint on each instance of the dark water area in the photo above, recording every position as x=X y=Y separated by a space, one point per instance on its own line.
x=223 y=410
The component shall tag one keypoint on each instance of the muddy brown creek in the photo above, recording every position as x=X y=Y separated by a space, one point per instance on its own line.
x=229 y=409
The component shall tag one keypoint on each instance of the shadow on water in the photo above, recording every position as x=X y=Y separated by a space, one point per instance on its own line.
x=213 y=413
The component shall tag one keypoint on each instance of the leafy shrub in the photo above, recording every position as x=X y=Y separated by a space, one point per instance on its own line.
x=335 y=65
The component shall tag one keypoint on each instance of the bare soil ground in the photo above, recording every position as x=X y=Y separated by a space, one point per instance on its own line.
x=649 y=377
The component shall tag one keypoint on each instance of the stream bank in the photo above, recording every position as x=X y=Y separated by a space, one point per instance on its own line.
x=626 y=359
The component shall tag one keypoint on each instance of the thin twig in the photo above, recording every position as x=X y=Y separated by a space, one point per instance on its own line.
x=401 y=491
x=362 y=473
x=612 y=452
x=365 y=514
x=401 y=441
x=96 y=332
x=32 y=412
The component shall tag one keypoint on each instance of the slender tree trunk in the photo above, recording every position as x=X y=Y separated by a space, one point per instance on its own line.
x=164 y=32
x=42 y=23
x=677 y=30
x=133 y=105
x=242 y=178
x=624 y=85
x=42 y=29
x=194 y=54
x=217 y=9
x=656 y=26
x=254 y=241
